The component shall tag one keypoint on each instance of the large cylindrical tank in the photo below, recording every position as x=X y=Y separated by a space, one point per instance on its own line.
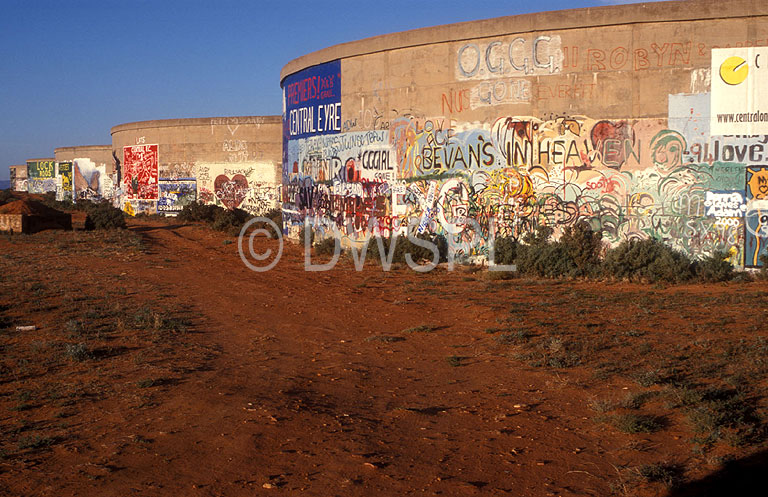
x=85 y=172
x=494 y=128
x=233 y=162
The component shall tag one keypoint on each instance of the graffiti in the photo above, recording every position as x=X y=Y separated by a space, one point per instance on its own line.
x=41 y=176
x=630 y=179
x=619 y=58
x=565 y=91
x=177 y=171
x=135 y=207
x=725 y=204
x=253 y=187
x=63 y=181
x=140 y=172
x=756 y=215
x=89 y=180
x=540 y=56
x=455 y=101
x=18 y=178
x=175 y=194
x=511 y=91
x=312 y=101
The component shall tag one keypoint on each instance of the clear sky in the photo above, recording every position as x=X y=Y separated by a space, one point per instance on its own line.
x=72 y=69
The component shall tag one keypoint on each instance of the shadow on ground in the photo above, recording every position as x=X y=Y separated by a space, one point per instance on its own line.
x=748 y=476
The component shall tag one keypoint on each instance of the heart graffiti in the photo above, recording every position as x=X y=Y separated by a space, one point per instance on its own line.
x=231 y=192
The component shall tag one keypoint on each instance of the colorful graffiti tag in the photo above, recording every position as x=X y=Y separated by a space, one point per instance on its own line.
x=41 y=176
x=175 y=194
x=90 y=180
x=629 y=179
x=252 y=187
x=756 y=216
x=63 y=181
x=140 y=172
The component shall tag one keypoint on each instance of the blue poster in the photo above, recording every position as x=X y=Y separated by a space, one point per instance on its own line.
x=312 y=101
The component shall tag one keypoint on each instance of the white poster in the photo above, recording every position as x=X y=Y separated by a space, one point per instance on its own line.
x=739 y=91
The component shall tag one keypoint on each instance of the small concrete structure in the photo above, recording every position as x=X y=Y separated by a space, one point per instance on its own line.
x=30 y=216
x=18 y=177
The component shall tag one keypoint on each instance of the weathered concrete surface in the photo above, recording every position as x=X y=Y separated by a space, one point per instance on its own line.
x=100 y=154
x=598 y=115
x=18 y=177
x=191 y=154
x=12 y=223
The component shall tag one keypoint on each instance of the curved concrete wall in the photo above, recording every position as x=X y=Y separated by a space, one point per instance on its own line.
x=599 y=115
x=85 y=172
x=233 y=162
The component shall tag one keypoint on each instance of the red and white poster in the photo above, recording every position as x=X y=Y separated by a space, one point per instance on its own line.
x=140 y=172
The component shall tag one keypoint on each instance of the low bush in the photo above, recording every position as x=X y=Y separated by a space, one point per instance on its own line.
x=403 y=246
x=505 y=250
x=714 y=268
x=6 y=196
x=575 y=255
x=199 y=212
x=218 y=218
x=230 y=221
x=104 y=216
x=648 y=260
x=327 y=246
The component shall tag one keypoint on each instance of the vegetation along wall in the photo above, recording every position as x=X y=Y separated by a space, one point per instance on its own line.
x=233 y=162
x=599 y=115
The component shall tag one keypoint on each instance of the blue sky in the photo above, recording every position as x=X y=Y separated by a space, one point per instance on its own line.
x=70 y=70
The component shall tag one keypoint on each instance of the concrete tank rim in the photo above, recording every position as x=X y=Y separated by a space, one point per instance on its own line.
x=554 y=20
x=189 y=121
x=83 y=147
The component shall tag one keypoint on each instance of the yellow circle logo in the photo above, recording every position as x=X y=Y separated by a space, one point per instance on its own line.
x=734 y=70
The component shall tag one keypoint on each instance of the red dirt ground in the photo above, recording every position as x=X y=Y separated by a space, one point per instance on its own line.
x=298 y=383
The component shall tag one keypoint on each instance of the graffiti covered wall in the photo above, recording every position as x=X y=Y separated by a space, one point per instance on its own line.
x=499 y=134
x=63 y=181
x=41 y=176
x=250 y=187
x=232 y=162
x=18 y=178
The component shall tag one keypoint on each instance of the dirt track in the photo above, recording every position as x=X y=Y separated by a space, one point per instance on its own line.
x=309 y=383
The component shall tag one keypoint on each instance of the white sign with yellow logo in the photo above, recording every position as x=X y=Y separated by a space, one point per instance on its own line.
x=739 y=91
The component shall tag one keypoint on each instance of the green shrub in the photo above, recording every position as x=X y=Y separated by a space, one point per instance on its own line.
x=637 y=423
x=582 y=247
x=104 y=216
x=276 y=215
x=6 y=196
x=230 y=221
x=49 y=199
x=505 y=250
x=576 y=254
x=220 y=219
x=327 y=246
x=714 y=268
x=764 y=268
x=199 y=211
x=304 y=232
x=405 y=246
x=78 y=351
x=647 y=260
